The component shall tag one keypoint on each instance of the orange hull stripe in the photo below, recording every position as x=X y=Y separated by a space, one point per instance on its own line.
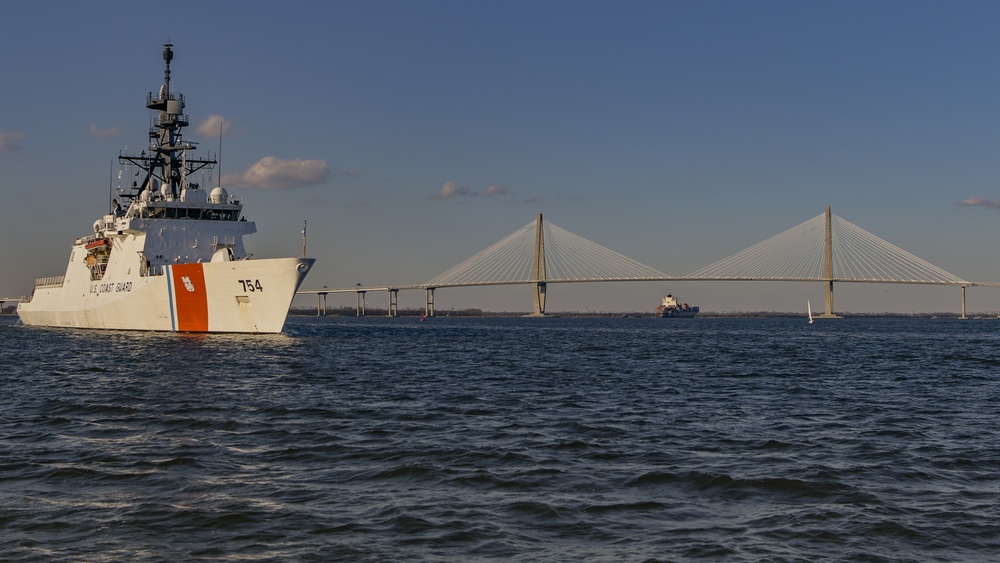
x=191 y=297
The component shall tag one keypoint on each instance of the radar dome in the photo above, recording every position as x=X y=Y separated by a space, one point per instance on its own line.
x=218 y=195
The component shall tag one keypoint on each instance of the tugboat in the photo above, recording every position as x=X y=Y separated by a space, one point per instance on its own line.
x=671 y=308
x=172 y=259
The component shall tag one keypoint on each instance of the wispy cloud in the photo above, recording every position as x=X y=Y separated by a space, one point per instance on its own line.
x=270 y=173
x=212 y=125
x=8 y=141
x=495 y=190
x=450 y=191
x=103 y=133
x=980 y=202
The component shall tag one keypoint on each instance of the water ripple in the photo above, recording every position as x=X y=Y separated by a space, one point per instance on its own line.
x=506 y=439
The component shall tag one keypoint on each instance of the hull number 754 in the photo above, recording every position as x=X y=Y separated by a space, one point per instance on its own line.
x=251 y=285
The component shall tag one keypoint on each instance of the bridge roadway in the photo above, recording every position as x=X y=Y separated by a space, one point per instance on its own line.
x=393 y=291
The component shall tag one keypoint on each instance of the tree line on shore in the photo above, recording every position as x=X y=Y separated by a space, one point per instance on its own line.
x=476 y=312
x=349 y=311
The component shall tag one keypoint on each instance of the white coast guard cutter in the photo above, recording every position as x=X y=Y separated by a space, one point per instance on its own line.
x=173 y=257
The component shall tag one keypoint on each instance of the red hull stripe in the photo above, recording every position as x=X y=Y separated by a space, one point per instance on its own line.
x=190 y=297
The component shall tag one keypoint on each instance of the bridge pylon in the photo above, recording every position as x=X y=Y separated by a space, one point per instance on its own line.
x=538 y=269
x=828 y=269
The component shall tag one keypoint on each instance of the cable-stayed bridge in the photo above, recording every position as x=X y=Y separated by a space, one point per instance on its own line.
x=826 y=248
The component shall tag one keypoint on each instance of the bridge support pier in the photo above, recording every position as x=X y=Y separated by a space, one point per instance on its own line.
x=361 y=303
x=963 y=303
x=429 y=303
x=321 y=304
x=540 y=299
x=393 y=302
x=828 y=303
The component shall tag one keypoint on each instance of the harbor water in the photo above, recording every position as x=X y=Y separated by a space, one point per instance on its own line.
x=457 y=439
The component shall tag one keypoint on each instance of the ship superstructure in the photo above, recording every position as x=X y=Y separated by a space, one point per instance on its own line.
x=172 y=257
x=671 y=307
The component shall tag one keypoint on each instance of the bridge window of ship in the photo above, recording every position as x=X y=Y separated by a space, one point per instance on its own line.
x=192 y=213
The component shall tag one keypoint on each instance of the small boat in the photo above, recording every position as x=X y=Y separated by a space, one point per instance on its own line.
x=810 y=309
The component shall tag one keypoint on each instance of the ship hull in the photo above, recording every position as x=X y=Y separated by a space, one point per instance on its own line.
x=678 y=313
x=244 y=296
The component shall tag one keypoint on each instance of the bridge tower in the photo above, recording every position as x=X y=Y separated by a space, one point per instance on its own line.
x=538 y=269
x=828 y=269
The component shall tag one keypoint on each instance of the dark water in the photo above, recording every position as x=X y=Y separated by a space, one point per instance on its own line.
x=504 y=439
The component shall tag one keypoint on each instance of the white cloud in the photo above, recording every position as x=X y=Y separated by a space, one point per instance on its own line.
x=102 y=133
x=270 y=173
x=980 y=202
x=447 y=191
x=495 y=190
x=211 y=126
x=450 y=190
x=8 y=141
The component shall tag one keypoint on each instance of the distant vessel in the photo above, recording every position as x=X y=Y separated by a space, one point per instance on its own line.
x=809 y=307
x=671 y=308
x=173 y=258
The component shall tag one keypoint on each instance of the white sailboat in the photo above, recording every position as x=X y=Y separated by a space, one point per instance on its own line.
x=810 y=309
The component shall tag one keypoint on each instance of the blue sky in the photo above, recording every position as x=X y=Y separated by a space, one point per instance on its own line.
x=412 y=135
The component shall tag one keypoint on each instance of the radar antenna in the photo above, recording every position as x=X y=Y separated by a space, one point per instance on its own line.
x=167 y=160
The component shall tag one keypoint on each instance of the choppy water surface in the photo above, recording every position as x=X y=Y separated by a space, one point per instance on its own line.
x=515 y=439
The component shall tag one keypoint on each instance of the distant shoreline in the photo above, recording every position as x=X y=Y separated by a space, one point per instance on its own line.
x=344 y=313
x=476 y=313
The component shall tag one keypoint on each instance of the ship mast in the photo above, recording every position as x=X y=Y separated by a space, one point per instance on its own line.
x=167 y=159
